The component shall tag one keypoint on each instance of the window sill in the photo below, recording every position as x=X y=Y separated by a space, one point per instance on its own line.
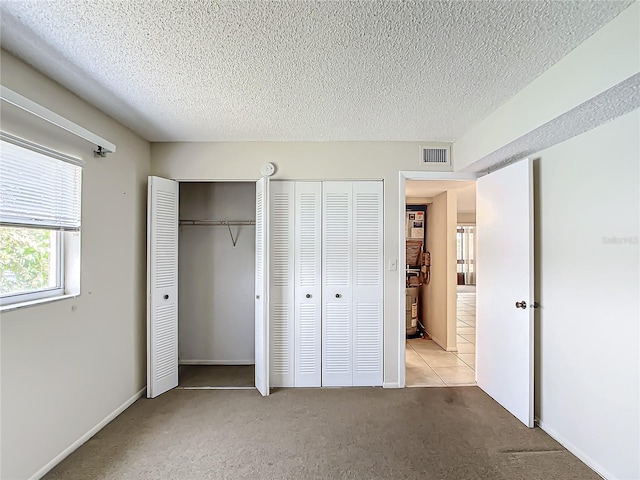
x=32 y=303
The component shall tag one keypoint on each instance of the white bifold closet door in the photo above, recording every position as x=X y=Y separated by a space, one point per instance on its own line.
x=162 y=286
x=295 y=292
x=352 y=283
x=262 y=289
x=308 y=285
x=281 y=294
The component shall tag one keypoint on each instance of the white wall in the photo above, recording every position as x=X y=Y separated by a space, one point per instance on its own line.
x=608 y=57
x=69 y=364
x=216 y=279
x=588 y=269
x=311 y=161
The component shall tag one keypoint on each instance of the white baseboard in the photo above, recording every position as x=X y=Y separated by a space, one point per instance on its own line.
x=217 y=362
x=390 y=385
x=74 y=446
x=592 y=464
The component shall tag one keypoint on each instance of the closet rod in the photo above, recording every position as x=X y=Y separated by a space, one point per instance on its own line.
x=217 y=223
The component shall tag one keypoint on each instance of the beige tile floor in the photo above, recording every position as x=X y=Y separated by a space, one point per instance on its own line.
x=428 y=365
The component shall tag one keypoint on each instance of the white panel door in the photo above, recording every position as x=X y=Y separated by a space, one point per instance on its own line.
x=308 y=288
x=367 y=283
x=261 y=289
x=337 y=268
x=281 y=292
x=162 y=286
x=504 y=217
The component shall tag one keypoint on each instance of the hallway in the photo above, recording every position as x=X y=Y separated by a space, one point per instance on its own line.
x=428 y=365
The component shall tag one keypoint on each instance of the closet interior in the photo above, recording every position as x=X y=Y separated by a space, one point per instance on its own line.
x=216 y=267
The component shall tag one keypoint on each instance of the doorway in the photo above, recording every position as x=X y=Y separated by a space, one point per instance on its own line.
x=465 y=249
x=505 y=346
x=429 y=365
x=216 y=258
x=439 y=355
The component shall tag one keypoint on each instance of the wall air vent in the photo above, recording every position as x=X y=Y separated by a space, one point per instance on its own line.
x=435 y=155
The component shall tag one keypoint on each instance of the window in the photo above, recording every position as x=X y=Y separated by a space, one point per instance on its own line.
x=465 y=245
x=39 y=222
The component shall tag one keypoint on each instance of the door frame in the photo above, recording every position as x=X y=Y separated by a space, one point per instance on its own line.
x=402 y=203
x=201 y=180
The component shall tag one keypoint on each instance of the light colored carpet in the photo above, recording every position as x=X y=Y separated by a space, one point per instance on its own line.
x=216 y=376
x=349 y=433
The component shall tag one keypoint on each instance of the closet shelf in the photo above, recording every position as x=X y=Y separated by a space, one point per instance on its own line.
x=217 y=223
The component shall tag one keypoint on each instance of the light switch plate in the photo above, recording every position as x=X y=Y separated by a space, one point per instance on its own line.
x=393 y=265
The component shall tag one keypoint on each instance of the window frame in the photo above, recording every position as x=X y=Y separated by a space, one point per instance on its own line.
x=68 y=244
x=46 y=292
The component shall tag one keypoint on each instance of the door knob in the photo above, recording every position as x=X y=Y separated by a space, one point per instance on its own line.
x=338 y=295
x=308 y=295
x=521 y=304
x=166 y=297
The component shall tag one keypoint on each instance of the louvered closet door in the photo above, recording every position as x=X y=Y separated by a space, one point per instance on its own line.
x=261 y=288
x=368 y=283
x=308 y=288
x=281 y=294
x=337 y=355
x=162 y=286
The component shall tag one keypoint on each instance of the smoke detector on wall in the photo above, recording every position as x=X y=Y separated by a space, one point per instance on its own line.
x=268 y=169
x=435 y=155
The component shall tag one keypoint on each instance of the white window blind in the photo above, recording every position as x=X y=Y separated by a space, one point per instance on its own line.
x=38 y=187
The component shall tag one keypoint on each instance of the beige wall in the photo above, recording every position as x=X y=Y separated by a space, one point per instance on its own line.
x=452 y=281
x=438 y=298
x=466 y=217
x=312 y=161
x=68 y=365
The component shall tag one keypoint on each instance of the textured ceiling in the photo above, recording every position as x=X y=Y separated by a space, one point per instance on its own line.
x=204 y=70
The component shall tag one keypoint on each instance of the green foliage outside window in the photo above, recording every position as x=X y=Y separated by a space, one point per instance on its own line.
x=25 y=259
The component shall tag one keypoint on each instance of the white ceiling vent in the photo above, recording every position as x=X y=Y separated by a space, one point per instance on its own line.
x=435 y=155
